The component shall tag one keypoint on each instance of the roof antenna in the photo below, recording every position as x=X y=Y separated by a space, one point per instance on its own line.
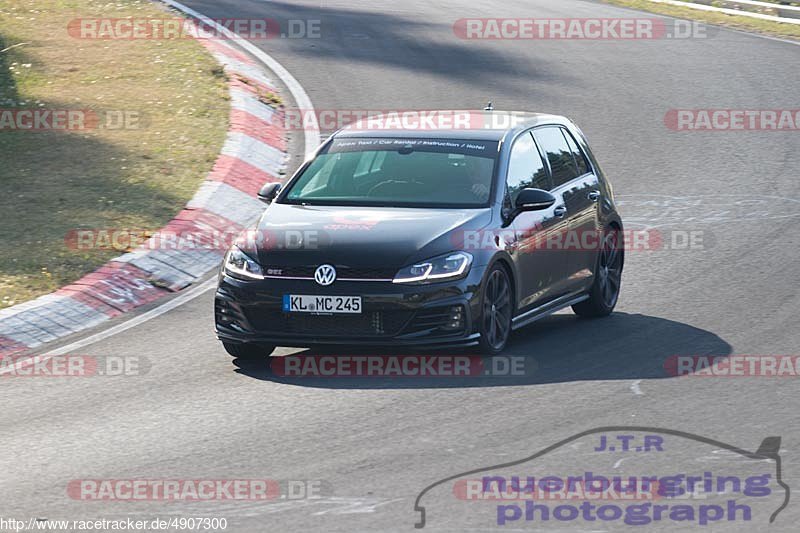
x=489 y=107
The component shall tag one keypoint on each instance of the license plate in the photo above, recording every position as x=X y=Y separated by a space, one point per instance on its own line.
x=294 y=303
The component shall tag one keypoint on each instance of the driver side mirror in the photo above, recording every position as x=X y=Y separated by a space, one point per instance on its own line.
x=268 y=192
x=533 y=200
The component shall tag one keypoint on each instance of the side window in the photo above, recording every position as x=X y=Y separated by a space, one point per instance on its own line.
x=558 y=153
x=580 y=158
x=525 y=168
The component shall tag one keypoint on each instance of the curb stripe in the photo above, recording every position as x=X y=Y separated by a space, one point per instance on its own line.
x=247 y=101
x=241 y=175
x=261 y=155
x=244 y=122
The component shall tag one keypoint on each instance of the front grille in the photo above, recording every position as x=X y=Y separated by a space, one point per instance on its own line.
x=341 y=272
x=367 y=324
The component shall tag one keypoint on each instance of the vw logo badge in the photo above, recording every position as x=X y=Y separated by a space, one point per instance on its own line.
x=325 y=274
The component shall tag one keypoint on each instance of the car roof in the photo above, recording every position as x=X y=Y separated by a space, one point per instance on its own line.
x=465 y=124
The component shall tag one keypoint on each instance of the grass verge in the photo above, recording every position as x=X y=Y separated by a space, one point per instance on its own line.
x=775 y=29
x=138 y=176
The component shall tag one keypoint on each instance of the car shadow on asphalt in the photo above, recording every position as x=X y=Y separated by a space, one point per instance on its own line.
x=557 y=349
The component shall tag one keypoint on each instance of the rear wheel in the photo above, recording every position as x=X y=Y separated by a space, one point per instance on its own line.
x=496 y=310
x=249 y=350
x=604 y=292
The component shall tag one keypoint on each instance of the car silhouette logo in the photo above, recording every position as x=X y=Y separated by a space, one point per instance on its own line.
x=325 y=274
x=769 y=450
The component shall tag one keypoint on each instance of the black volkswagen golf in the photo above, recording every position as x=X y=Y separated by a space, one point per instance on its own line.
x=434 y=237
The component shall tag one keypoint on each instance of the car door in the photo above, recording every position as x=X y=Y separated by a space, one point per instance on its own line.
x=568 y=190
x=540 y=269
x=584 y=222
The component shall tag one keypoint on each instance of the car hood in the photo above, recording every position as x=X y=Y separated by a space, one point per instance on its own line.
x=363 y=237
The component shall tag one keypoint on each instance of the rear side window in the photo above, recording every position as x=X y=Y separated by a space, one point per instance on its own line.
x=558 y=153
x=580 y=159
x=525 y=168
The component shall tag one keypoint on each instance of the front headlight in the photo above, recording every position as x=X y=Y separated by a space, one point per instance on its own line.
x=454 y=265
x=240 y=265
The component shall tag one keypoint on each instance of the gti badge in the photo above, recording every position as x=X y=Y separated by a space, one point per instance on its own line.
x=325 y=274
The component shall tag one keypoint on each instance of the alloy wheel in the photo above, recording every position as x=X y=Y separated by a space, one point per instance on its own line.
x=497 y=309
x=610 y=269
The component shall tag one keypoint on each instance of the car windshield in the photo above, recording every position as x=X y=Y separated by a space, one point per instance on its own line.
x=398 y=173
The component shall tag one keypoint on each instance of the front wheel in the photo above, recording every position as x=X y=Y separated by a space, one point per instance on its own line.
x=604 y=293
x=496 y=311
x=248 y=351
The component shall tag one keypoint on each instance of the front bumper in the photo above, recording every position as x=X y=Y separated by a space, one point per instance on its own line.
x=392 y=314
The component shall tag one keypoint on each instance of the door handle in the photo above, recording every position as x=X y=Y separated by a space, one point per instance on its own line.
x=594 y=196
x=560 y=211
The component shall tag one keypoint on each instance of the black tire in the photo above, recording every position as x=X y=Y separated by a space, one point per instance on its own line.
x=604 y=293
x=497 y=308
x=248 y=351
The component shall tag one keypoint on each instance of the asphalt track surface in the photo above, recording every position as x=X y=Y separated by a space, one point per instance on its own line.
x=376 y=443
